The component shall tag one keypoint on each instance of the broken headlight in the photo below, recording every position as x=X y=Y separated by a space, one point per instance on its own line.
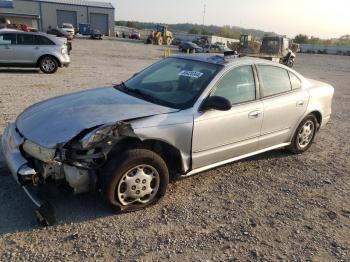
x=101 y=135
x=39 y=152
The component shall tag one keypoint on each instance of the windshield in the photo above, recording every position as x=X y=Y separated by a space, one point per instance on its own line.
x=172 y=82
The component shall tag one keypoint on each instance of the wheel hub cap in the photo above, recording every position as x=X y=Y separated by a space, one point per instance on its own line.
x=48 y=65
x=140 y=184
x=305 y=134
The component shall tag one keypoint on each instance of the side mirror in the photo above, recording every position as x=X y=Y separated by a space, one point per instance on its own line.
x=216 y=102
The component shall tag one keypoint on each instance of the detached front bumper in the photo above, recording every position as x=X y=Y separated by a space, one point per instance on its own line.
x=11 y=142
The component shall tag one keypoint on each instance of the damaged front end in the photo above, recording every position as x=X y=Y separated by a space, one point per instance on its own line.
x=77 y=161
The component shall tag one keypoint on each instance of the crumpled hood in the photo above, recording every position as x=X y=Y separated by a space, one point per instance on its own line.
x=60 y=119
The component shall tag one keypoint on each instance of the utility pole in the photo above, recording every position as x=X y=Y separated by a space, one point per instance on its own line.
x=204 y=9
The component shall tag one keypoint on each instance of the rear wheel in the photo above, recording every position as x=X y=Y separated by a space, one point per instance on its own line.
x=168 y=41
x=304 y=135
x=48 y=65
x=135 y=179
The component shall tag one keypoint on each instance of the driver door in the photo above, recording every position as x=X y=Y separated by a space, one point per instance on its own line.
x=222 y=135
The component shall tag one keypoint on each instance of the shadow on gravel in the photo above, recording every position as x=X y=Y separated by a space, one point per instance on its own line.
x=17 y=211
x=19 y=71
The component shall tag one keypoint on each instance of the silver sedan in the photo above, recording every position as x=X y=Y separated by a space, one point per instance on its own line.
x=181 y=116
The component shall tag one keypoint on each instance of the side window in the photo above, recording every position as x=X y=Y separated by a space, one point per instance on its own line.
x=8 y=39
x=275 y=80
x=42 y=40
x=25 y=39
x=238 y=85
x=296 y=83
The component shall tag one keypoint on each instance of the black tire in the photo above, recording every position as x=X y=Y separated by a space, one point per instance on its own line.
x=48 y=64
x=116 y=168
x=295 y=146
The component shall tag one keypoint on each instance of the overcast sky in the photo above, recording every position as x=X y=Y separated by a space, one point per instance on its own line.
x=324 y=19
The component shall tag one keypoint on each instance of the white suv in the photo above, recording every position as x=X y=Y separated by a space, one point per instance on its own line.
x=22 y=49
x=69 y=28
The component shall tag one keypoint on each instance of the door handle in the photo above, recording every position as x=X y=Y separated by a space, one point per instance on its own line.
x=37 y=47
x=254 y=114
x=300 y=103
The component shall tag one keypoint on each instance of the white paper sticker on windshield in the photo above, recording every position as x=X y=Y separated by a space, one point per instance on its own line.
x=192 y=74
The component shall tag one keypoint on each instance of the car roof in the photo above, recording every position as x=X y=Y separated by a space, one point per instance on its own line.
x=220 y=59
x=9 y=30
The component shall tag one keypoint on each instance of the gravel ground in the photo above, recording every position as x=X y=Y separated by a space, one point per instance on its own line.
x=275 y=206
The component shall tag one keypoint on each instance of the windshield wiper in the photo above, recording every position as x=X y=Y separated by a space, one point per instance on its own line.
x=122 y=86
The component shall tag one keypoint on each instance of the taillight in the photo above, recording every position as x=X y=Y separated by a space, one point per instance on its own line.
x=63 y=50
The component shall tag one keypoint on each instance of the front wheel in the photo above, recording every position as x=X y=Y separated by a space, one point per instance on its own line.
x=135 y=179
x=304 y=135
x=48 y=65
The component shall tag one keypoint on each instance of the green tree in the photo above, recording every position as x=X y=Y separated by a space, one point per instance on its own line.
x=314 y=40
x=226 y=31
x=193 y=31
x=301 y=39
x=130 y=24
x=205 y=32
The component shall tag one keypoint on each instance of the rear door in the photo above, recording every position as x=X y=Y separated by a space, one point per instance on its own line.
x=7 y=51
x=25 y=49
x=284 y=104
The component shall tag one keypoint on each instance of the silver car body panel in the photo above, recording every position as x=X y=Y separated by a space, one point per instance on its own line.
x=70 y=114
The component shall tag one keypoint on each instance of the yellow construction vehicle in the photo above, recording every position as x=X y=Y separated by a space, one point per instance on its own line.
x=160 y=36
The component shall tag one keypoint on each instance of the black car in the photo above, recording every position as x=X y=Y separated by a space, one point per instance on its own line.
x=59 y=33
x=191 y=47
x=96 y=34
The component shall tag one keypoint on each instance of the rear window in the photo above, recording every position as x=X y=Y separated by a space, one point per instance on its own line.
x=25 y=39
x=275 y=80
x=8 y=39
x=296 y=83
x=42 y=40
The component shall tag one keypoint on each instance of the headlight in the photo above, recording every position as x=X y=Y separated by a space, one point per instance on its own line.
x=39 y=152
x=101 y=134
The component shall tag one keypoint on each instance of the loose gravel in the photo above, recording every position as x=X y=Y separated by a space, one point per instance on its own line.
x=275 y=206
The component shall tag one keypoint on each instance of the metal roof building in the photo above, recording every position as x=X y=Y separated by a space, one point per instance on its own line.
x=42 y=14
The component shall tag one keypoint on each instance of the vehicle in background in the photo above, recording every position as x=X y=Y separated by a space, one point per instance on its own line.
x=247 y=44
x=60 y=33
x=69 y=28
x=23 y=49
x=135 y=35
x=177 y=41
x=276 y=49
x=202 y=41
x=190 y=47
x=161 y=35
x=96 y=34
x=215 y=48
x=181 y=116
